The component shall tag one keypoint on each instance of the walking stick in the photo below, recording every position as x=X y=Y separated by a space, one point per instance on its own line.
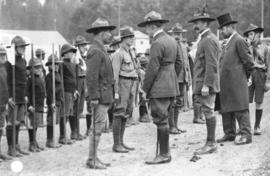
x=33 y=97
x=53 y=98
x=63 y=92
x=78 y=101
x=157 y=145
x=94 y=132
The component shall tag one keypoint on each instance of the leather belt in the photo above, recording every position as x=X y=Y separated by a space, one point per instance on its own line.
x=129 y=78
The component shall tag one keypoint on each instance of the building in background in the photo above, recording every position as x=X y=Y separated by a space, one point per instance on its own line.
x=142 y=42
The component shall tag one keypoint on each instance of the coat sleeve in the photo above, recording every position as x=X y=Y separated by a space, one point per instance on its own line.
x=116 y=64
x=245 y=56
x=49 y=90
x=9 y=78
x=267 y=63
x=29 y=92
x=153 y=67
x=179 y=62
x=211 y=50
x=94 y=59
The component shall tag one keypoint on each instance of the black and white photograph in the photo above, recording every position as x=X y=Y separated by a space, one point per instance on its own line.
x=134 y=88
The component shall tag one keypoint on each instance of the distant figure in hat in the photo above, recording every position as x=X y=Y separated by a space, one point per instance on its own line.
x=83 y=46
x=184 y=80
x=35 y=111
x=206 y=75
x=260 y=77
x=70 y=93
x=100 y=83
x=236 y=66
x=160 y=83
x=40 y=54
x=17 y=106
x=53 y=106
x=3 y=97
x=126 y=79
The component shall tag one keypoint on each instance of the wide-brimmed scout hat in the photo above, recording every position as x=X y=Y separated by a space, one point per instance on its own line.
x=2 y=50
x=67 y=48
x=19 y=41
x=100 y=25
x=115 y=41
x=34 y=62
x=225 y=19
x=254 y=28
x=177 y=28
x=126 y=32
x=152 y=17
x=80 y=40
x=201 y=14
x=39 y=52
x=50 y=60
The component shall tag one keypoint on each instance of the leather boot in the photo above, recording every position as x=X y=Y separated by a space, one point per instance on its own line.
x=93 y=161
x=11 y=151
x=123 y=127
x=2 y=156
x=32 y=145
x=63 y=139
x=117 y=147
x=17 y=146
x=72 y=124
x=88 y=118
x=164 y=154
x=176 y=116
x=257 y=129
x=210 y=146
x=50 y=143
x=144 y=117
x=173 y=129
x=197 y=114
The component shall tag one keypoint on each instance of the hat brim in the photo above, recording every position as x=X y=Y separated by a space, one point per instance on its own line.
x=256 y=30
x=115 y=43
x=22 y=45
x=82 y=43
x=143 y=24
x=101 y=28
x=202 y=18
x=129 y=35
x=227 y=23
x=73 y=50
x=182 y=31
x=50 y=63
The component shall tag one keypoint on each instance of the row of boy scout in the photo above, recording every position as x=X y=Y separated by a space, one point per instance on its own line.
x=220 y=81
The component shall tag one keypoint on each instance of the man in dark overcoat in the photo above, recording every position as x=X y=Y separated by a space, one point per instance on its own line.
x=160 y=83
x=206 y=76
x=236 y=64
x=100 y=83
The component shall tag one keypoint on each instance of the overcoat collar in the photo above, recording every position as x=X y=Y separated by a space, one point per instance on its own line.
x=99 y=45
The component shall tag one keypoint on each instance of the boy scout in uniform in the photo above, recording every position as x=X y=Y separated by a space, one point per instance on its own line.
x=59 y=97
x=38 y=94
x=17 y=108
x=206 y=76
x=70 y=92
x=160 y=83
x=126 y=78
x=260 y=76
x=82 y=46
x=100 y=83
x=3 y=96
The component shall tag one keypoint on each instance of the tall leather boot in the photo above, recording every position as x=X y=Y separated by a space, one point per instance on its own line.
x=123 y=127
x=173 y=129
x=32 y=145
x=88 y=118
x=63 y=137
x=144 y=117
x=164 y=154
x=176 y=116
x=257 y=128
x=197 y=114
x=210 y=146
x=2 y=156
x=11 y=152
x=117 y=124
x=93 y=162
x=72 y=124
x=17 y=146
x=50 y=143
